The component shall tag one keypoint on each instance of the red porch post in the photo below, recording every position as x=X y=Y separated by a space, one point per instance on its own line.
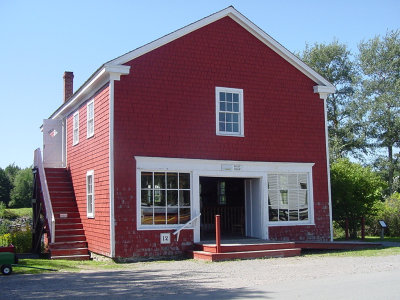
x=218 y=233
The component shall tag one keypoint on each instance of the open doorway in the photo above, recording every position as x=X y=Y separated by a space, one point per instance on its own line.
x=225 y=197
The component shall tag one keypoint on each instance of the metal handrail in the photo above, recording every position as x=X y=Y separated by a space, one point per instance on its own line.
x=38 y=163
x=178 y=231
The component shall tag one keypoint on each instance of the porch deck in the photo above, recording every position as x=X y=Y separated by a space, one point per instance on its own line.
x=247 y=248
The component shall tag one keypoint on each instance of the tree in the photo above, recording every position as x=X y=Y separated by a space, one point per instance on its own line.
x=5 y=187
x=11 y=171
x=355 y=190
x=379 y=60
x=21 y=194
x=334 y=62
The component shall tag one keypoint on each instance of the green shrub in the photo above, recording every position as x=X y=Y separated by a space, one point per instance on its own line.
x=22 y=240
x=5 y=226
x=389 y=211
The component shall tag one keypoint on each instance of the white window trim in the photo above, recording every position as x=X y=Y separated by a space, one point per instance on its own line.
x=217 y=110
x=75 y=139
x=310 y=199
x=90 y=173
x=89 y=134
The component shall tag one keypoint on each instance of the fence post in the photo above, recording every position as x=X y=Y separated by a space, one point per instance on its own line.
x=363 y=228
x=347 y=229
x=218 y=232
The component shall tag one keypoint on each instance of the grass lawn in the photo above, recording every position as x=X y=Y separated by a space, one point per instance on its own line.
x=352 y=253
x=375 y=239
x=62 y=266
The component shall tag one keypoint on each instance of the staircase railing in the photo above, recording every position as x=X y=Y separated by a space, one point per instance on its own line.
x=38 y=162
x=178 y=231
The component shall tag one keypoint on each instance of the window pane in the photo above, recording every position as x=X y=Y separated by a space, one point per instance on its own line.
x=184 y=198
x=283 y=215
x=172 y=198
x=229 y=127
x=229 y=117
x=222 y=106
x=235 y=127
x=159 y=198
x=147 y=216
x=222 y=116
x=222 y=96
x=235 y=118
x=283 y=182
x=293 y=205
x=89 y=204
x=172 y=215
x=236 y=107
x=147 y=180
x=273 y=214
x=303 y=181
x=159 y=215
x=184 y=215
x=229 y=107
x=172 y=180
x=236 y=98
x=273 y=181
x=221 y=126
x=147 y=198
x=184 y=181
x=159 y=180
x=229 y=97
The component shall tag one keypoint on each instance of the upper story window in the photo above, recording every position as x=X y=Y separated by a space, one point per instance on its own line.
x=229 y=111
x=90 y=118
x=289 y=197
x=75 y=128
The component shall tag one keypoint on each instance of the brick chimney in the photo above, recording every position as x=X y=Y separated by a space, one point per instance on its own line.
x=68 y=85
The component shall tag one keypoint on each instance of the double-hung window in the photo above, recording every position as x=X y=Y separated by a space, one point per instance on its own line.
x=229 y=111
x=90 y=118
x=75 y=128
x=90 y=194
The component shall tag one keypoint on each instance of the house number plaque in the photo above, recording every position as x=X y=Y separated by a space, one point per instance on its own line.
x=165 y=238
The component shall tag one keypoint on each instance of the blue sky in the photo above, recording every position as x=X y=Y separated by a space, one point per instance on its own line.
x=42 y=39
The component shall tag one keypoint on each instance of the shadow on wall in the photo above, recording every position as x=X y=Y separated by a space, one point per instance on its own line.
x=120 y=285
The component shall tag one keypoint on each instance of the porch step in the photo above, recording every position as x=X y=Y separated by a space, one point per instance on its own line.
x=209 y=256
x=64 y=209
x=68 y=252
x=69 y=231
x=66 y=226
x=67 y=220
x=68 y=245
x=72 y=257
x=245 y=247
x=67 y=215
x=70 y=238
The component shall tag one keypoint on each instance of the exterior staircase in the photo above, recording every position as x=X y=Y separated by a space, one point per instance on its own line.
x=70 y=240
x=243 y=250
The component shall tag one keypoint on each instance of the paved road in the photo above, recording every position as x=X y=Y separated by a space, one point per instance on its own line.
x=282 y=278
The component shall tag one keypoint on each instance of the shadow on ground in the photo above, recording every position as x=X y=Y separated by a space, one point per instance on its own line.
x=120 y=285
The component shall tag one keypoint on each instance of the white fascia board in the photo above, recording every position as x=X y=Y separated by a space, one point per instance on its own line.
x=245 y=23
x=97 y=80
x=218 y=167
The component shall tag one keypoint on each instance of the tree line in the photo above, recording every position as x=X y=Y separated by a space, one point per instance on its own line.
x=364 y=128
x=16 y=186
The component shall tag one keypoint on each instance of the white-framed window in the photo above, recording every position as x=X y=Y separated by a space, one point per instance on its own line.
x=165 y=198
x=75 y=128
x=90 y=193
x=229 y=111
x=289 y=198
x=90 y=118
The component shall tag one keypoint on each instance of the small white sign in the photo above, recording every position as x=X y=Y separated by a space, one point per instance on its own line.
x=63 y=215
x=382 y=223
x=225 y=167
x=165 y=238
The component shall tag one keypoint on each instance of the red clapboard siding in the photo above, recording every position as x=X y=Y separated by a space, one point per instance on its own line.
x=166 y=108
x=93 y=154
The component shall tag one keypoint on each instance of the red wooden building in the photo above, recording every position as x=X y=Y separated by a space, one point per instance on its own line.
x=214 y=118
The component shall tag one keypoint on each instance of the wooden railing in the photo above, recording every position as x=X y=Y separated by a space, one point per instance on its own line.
x=38 y=163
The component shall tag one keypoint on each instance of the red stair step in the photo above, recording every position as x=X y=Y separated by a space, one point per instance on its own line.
x=69 y=252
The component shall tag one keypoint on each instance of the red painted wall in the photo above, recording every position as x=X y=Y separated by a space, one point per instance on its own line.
x=92 y=154
x=165 y=107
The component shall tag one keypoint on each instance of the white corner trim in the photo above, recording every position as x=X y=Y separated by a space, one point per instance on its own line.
x=96 y=81
x=328 y=169
x=324 y=91
x=111 y=168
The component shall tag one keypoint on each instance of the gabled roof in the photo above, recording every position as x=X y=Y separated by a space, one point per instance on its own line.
x=115 y=68
x=245 y=23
